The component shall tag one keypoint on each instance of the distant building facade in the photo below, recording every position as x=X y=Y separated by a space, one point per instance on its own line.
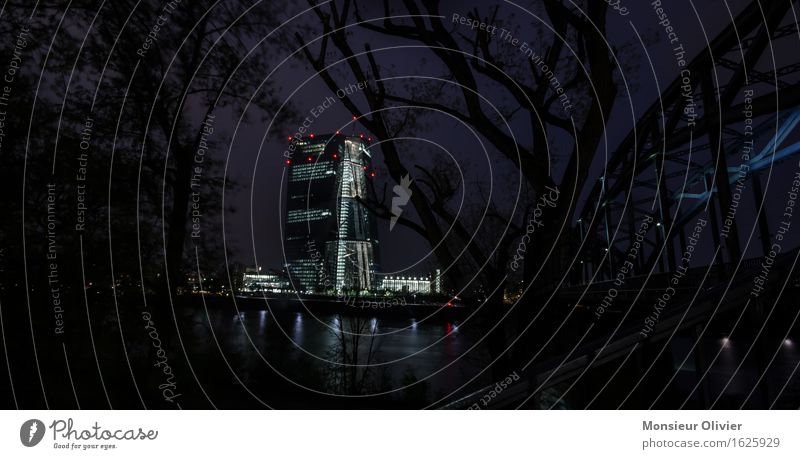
x=330 y=238
x=412 y=284
x=254 y=281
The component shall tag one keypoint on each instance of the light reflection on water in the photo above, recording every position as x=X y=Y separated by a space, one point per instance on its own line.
x=305 y=340
x=296 y=342
x=262 y=321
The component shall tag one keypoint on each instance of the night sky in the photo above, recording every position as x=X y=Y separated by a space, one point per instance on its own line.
x=257 y=163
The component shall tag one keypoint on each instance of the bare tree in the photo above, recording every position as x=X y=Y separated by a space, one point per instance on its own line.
x=178 y=66
x=353 y=355
x=572 y=60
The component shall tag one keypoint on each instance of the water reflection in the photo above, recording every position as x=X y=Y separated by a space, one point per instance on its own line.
x=301 y=342
x=262 y=321
x=298 y=331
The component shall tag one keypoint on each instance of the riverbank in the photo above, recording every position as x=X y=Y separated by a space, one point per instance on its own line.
x=372 y=307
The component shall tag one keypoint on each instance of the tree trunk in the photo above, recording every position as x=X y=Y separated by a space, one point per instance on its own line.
x=176 y=231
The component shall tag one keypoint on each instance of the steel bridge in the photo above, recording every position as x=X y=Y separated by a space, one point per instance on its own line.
x=671 y=169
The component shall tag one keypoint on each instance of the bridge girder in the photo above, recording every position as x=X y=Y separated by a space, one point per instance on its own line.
x=666 y=147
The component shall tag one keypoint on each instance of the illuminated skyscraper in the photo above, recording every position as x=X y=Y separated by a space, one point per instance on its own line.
x=330 y=236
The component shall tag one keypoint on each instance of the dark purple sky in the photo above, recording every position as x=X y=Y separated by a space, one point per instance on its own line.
x=402 y=248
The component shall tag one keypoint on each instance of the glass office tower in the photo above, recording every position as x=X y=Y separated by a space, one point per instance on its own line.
x=330 y=236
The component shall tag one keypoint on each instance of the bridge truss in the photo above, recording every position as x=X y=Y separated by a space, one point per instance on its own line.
x=675 y=165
